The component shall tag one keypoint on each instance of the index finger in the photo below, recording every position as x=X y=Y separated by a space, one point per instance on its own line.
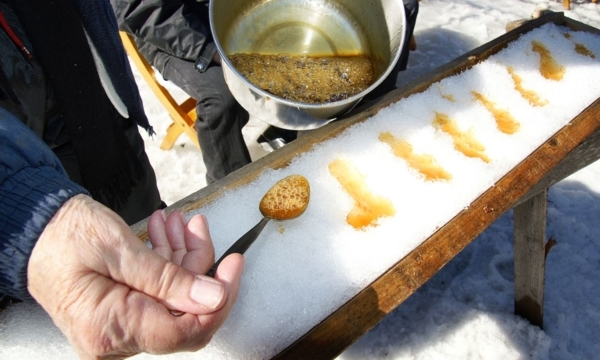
x=200 y=254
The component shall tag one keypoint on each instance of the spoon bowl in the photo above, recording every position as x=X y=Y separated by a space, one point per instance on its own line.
x=285 y=200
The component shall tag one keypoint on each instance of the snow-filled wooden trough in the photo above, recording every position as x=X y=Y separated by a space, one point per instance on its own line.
x=446 y=155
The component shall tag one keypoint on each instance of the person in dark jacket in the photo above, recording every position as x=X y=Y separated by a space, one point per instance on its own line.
x=175 y=37
x=84 y=265
x=76 y=91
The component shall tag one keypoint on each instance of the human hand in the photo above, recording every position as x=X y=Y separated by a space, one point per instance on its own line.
x=111 y=295
x=171 y=239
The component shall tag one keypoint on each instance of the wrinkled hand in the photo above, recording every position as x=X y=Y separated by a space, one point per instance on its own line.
x=111 y=295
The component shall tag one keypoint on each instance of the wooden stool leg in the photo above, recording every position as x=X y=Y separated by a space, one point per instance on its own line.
x=413 y=44
x=530 y=259
x=183 y=115
x=567 y=4
x=173 y=132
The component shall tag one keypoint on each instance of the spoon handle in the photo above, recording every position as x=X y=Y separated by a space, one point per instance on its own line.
x=241 y=245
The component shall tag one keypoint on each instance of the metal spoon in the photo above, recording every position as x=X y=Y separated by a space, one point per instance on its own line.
x=285 y=200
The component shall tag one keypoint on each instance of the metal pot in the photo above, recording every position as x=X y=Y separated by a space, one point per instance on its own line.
x=375 y=28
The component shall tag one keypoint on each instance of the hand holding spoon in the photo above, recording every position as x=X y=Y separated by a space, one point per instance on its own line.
x=286 y=200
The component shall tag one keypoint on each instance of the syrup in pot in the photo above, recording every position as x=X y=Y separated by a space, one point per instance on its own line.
x=307 y=79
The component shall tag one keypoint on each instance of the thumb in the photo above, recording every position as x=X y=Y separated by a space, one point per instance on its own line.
x=174 y=286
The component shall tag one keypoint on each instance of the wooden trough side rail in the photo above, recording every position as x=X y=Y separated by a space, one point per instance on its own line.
x=365 y=310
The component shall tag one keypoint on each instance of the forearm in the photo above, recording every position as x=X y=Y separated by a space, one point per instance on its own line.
x=33 y=186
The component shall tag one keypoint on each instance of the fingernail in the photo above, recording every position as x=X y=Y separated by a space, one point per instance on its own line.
x=163 y=213
x=207 y=292
x=184 y=218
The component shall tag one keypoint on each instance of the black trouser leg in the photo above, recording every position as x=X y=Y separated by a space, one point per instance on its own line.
x=220 y=117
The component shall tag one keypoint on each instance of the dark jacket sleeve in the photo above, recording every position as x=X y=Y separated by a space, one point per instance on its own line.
x=33 y=186
x=176 y=27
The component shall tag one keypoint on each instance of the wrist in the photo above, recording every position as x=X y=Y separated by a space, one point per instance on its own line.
x=29 y=199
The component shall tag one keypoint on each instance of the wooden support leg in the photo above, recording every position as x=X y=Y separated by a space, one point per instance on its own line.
x=530 y=259
x=173 y=132
x=413 y=44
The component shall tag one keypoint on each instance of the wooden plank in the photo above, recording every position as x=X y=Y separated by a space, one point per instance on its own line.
x=530 y=259
x=584 y=155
